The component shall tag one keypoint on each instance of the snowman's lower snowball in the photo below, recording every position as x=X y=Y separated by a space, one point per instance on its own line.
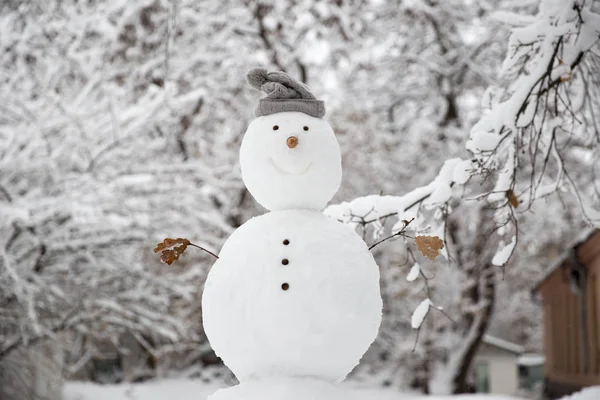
x=312 y=316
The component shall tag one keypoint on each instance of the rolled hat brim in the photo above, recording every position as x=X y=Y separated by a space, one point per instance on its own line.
x=312 y=107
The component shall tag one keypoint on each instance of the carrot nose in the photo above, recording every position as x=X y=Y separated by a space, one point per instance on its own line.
x=292 y=142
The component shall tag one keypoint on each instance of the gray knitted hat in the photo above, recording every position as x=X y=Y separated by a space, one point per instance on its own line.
x=284 y=93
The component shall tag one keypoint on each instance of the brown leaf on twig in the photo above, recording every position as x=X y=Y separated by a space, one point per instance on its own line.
x=512 y=198
x=430 y=246
x=171 y=249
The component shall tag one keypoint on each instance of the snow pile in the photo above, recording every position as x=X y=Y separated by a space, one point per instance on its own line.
x=176 y=389
x=180 y=389
x=287 y=389
x=590 y=393
x=304 y=389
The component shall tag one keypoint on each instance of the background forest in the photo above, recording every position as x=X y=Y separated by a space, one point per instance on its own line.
x=120 y=125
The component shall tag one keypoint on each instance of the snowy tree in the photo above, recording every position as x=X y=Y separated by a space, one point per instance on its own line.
x=120 y=124
x=96 y=169
x=117 y=131
x=514 y=147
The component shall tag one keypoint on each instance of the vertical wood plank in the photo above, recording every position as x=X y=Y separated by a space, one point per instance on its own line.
x=592 y=325
x=576 y=321
x=548 y=337
x=572 y=335
x=563 y=335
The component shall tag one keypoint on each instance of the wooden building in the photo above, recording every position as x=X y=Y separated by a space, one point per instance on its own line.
x=570 y=292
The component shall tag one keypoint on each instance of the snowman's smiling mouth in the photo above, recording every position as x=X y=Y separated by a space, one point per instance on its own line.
x=284 y=171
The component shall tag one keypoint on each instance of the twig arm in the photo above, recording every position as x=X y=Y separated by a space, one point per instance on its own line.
x=205 y=250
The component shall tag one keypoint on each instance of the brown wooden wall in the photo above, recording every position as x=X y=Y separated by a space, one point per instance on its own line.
x=562 y=332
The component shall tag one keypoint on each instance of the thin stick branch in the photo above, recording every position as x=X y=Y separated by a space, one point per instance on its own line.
x=205 y=250
x=399 y=233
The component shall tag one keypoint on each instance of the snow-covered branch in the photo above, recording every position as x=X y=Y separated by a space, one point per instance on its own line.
x=430 y=199
x=535 y=120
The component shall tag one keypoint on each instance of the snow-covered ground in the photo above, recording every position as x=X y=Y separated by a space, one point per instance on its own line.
x=172 y=389
x=176 y=389
x=590 y=393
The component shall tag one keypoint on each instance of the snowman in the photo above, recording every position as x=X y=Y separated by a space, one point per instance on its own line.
x=293 y=302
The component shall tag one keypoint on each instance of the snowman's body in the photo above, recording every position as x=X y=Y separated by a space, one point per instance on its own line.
x=294 y=294
x=287 y=298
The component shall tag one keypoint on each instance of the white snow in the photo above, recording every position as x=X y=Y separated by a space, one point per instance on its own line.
x=306 y=176
x=325 y=320
x=504 y=252
x=182 y=389
x=442 y=191
x=414 y=272
x=531 y=360
x=510 y=18
x=503 y=344
x=420 y=313
x=134 y=179
x=462 y=172
x=176 y=389
x=375 y=206
x=288 y=389
x=589 y=393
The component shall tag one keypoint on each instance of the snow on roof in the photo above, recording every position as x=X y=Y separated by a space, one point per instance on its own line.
x=586 y=234
x=502 y=344
x=529 y=360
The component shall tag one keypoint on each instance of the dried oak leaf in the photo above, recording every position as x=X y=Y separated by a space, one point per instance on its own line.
x=430 y=246
x=171 y=249
x=512 y=198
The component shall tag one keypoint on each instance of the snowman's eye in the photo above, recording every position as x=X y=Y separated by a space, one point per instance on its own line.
x=275 y=127
x=306 y=128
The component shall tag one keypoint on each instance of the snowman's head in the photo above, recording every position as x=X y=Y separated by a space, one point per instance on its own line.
x=291 y=160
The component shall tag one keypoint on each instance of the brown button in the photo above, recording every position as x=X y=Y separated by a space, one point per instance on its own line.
x=285 y=261
x=286 y=242
x=292 y=142
x=285 y=286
